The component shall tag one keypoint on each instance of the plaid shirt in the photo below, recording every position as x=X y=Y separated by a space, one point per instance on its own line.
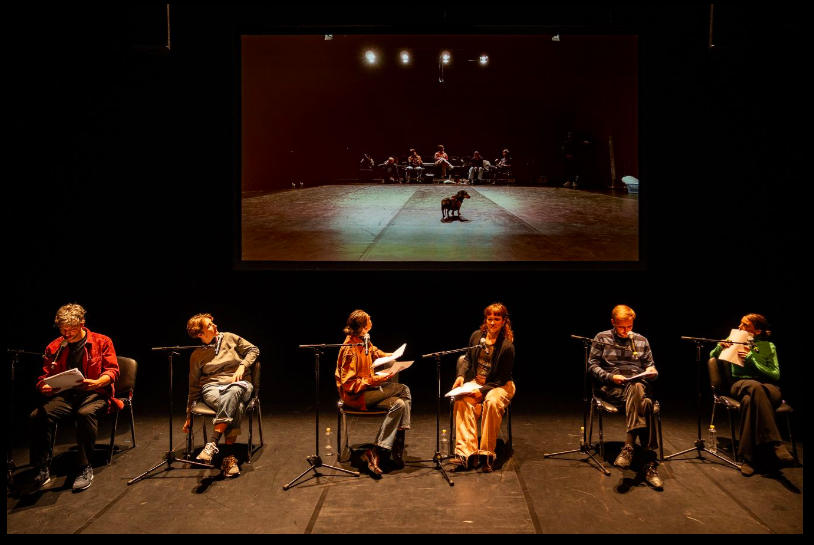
x=606 y=361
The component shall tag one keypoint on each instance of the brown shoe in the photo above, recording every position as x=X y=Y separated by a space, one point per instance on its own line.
x=486 y=464
x=459 y=464
x=783 y=453
x=371 y=457
x=229 y=467
x=747 y=470
x=397 y=452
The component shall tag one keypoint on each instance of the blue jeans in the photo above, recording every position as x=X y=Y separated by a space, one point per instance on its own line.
x=228 y=403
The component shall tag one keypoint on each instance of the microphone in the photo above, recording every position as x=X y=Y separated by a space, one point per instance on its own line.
x=62 y=345
x=753 y=346
x=632 y=344
x=366 y=338
x=483 y=345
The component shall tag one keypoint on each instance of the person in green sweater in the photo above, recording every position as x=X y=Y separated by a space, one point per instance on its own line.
x=755 y=386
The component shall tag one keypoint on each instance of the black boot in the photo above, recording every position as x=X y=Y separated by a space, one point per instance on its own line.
x=398 y=450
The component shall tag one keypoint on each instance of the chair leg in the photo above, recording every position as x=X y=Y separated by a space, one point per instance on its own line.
x=251 y=438
x=113 y=437
x=732 y=431
x=658 y=425
x=791 y=438
x=591 y=425
x=511 y=444
x=190 y=437
x=601 y=437
x=452 y=430
x=132 y=424
x=260 y=423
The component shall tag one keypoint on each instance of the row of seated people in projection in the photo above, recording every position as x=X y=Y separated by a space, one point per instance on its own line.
x=442 y=168
x=621 y=366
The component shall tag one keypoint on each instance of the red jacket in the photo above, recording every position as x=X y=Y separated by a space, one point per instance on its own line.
x=99 y=359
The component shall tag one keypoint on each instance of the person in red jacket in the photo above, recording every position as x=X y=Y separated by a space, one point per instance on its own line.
x=94 y=356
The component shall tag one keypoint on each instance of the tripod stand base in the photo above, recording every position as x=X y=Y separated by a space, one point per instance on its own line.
x=586 y=450
x=700 y=448
x=315 y=462
x=169 y=458
x=437 y=459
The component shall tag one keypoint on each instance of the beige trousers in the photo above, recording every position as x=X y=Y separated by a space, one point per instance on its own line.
x=467 y=412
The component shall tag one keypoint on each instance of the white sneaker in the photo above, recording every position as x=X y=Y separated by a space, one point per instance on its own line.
x=208 y=451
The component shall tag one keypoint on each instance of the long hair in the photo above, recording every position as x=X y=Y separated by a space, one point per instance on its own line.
x=357 y=321
x=498 y=309
x=760 y=322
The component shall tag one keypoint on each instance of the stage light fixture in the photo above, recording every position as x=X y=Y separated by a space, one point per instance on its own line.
x=405 y=57
x=446 y=57
x=484 y=60
x=329 y=37
x=370 y=57
x=556 y=38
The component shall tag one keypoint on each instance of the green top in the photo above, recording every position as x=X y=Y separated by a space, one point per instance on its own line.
x=760 y=363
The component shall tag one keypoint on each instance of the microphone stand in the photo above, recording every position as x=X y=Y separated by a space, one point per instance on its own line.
x=10 y=467
x=315 y=461
x=170 y=456
x=700 y=445
x=438 y=457
x=584 y=446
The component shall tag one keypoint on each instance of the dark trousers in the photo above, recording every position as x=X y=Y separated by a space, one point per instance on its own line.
x=638 y=410
x=84 y=407
x=758 y=424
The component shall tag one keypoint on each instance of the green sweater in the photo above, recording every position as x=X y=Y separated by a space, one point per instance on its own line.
x=759 y=364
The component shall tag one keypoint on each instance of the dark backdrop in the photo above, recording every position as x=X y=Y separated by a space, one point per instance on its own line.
x=118 y=195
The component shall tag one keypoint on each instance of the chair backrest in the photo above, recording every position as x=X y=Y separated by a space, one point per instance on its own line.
x=126 y=383
x=256 y=379
x=720 y=375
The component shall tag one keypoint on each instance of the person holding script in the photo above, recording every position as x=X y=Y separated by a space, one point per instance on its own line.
x=361 y=388
x=92 y=355
x=487 y=388
x=755 y=372
x=624 y=374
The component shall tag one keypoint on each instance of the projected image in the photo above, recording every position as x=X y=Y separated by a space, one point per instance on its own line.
x=438 y=149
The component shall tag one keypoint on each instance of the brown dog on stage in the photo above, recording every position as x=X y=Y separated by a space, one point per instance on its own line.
x=453 y=204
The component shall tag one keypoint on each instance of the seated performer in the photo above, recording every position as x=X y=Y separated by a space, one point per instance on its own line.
x=504 y=164
x=92 y=354
x=366 y=166
x=391 y=171
x=476 y=168
x=442 y=161
x=754 y=385
x=360 y=389
x=488 y=366
x=219 y=374
x=609 y=367
x=414 y=168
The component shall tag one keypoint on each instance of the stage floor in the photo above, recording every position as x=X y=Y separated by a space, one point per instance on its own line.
x=526 y=494
x=403 y=222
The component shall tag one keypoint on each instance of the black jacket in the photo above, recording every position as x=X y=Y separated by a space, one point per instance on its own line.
x=502 y=363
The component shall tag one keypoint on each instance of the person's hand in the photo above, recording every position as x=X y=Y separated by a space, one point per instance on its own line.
x=458 y=382
x=239 y=373
x=48 y=391
x=724 y=344
x=186 y=425
x=376 y=379
x=88 y=384
x=618 y=379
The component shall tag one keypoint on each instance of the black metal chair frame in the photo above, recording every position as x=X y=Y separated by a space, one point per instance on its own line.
x=342 y=426
x=721 y=380
x=128 y=404
x=251 y=407
x=600 y=406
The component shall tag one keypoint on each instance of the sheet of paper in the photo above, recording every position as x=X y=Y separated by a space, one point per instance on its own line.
x=396 y=355
x=395 y=368
x=467 y=388
x=65 y=380
x=737 y=352
x=640 y=375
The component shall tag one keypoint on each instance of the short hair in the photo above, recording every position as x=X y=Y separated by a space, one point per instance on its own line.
x=412 y=151
x=70 y=315
x=505 y=151
x=440 y=146
x=195 y=325
x=622 y=312
x=357 y=321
